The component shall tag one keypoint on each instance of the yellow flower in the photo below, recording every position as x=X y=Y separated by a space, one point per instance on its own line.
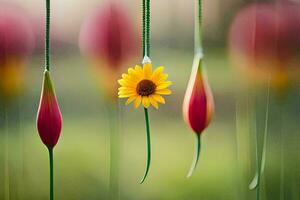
x=144 y=86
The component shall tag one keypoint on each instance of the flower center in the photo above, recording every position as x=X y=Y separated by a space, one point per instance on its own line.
x=145 y=87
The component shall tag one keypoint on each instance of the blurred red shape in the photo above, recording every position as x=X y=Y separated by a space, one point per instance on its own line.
x=264 y=40
x=108 y=34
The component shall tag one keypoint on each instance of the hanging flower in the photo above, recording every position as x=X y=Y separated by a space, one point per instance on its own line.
x=198 y=106
x=49 y=118
x=264 y=42
x=108 y=40
x=144 y=86
x=16 y=43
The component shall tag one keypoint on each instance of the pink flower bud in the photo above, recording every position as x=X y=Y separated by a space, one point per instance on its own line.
x=49 y=119
x=198 y=106
x=107 y=34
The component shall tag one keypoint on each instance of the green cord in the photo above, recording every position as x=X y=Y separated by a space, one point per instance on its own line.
x=197 y=155
x=144 y=25
x=51 y=173
x=47 y=37
x=198 y=26
x=146 y=28
x=148 y=146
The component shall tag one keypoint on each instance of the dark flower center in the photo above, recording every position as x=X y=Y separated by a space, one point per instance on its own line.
x=145 y=87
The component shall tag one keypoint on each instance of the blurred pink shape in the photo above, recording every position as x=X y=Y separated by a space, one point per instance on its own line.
x=16 y=43
x=108 y=34
x=16 y=38
x=49 y=119
x=264 y=39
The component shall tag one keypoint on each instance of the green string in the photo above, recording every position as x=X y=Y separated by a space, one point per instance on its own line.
x=148 y=146
x=198 y=27
x=47 y=37
x=51 y=173
x=146 y=28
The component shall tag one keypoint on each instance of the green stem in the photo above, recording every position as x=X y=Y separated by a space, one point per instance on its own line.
x=196 y=157
x=146 y=28
x=47 y=37
x=51 y=173
x=261 y=165
x=148 y=146
x=198 y=26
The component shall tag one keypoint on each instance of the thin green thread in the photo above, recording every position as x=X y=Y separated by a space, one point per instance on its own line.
x=143 y=26
x=198 y=26
x=51 y=160
x=47 y=36
x=148 y=146
x=146 y=18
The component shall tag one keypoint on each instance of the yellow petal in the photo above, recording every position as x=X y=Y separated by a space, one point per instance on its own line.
x=126 y=88
x=138 y=70
x=146 y=102
x=137 y=101
x=126 y=93
x=159 y=98
x=122 y=82
x=156 y=74
x=147 y=68
x=163 y=91
x=162 y=78
x=164 y=85
x=153 y=102
x=130 y=99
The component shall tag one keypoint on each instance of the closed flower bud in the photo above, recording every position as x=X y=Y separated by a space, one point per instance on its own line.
x=16 y=43
x=198 y=106
x=49 y=119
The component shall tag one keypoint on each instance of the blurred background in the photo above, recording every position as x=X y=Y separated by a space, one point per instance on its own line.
x=228 y=158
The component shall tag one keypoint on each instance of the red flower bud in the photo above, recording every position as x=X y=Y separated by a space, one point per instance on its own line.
x=198 y=106
x=107 y=34
x=49 y=119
